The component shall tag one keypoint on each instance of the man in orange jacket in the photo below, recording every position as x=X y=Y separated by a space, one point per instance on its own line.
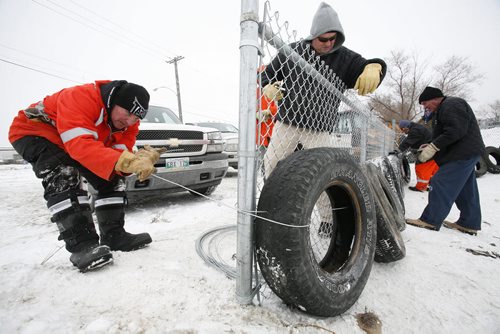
x=87 y=131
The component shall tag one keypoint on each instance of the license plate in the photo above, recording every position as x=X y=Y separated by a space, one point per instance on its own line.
x=177 y=163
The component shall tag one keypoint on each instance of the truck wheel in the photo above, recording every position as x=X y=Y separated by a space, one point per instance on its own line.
x=390 y=244
x=321 y=260
x=204 y=191
x=493 y=152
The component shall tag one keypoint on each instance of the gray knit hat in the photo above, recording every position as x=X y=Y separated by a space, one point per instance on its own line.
x=326 y=20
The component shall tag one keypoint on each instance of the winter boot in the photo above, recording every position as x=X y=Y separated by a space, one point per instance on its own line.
x=110 y=212
x=76 y=227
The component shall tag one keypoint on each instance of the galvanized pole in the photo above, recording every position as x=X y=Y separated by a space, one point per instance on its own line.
x=179 y=105
x=249 y=50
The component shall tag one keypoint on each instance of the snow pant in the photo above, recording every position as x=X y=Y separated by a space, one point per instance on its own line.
x=67 y=201
x=424 y=172
x=454 y=182
x=287 y=139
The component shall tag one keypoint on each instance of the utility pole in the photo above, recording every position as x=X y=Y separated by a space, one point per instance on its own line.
x=179 y=105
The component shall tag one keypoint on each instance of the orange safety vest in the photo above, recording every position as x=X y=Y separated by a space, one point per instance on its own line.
x=80 y=128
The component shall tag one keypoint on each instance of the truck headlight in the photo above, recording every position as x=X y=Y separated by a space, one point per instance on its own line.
x=216 y=143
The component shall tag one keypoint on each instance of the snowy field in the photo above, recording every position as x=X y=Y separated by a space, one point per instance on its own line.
x=438 y=287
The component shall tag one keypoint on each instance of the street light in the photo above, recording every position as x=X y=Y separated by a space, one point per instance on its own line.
x=178 y=99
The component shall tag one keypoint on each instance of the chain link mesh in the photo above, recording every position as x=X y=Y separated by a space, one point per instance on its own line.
x=316 y=109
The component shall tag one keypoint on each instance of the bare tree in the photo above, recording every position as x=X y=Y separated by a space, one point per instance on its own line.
x=403 y=83
x=456 y=76
x=407 y=76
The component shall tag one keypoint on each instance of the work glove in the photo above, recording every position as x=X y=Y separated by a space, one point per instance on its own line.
x=264 y=115
x=128 y=162
x=427 y=151
x=368 y=80
x=273 y=91
x=395 y=152
x=153 y=154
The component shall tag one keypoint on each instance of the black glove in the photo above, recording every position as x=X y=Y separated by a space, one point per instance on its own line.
x=395 y=152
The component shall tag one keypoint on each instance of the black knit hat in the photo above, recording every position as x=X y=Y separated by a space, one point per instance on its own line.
x=134 y=98
x=430 y=93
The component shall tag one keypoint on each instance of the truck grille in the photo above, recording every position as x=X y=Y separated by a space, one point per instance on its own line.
x=180 y=149
x=167 y=134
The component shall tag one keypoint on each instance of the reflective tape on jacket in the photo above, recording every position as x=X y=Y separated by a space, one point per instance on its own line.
x=66 y=136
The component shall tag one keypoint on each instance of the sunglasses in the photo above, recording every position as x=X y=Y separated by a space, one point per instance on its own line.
x=324 y=39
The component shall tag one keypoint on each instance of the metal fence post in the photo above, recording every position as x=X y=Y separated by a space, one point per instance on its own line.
x=249 y=47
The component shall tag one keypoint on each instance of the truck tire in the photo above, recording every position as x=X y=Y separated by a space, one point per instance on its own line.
x=392 y=171
x=390 y=245
x=319 y=273
x=406 y=170
x=385 y=193
x=204 y=191
x=481 y=166
x=491 y=151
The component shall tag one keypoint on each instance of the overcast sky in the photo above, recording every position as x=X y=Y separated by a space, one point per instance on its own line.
x=46 y=45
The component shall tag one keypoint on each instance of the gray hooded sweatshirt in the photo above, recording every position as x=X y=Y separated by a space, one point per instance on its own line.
x=326 y=20
x=306 y=103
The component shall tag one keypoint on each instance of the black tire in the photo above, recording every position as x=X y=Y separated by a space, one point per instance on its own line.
x=319 y=276
x=406 y=170
x=481 y=166
x=390 y=245
x=389 y=198
x=493 y=152
x=392 y=171
x=204 y=191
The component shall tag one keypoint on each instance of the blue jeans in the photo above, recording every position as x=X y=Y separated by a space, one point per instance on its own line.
x=455 y=182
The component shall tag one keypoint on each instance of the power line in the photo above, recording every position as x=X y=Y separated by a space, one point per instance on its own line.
x=37 y=70
x=149 y=42
x=43 y=58
x=113 y=35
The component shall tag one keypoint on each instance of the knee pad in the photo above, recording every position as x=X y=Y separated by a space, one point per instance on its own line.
x=61 y=179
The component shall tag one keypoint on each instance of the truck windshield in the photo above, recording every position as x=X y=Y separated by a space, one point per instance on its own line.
x=161 y=115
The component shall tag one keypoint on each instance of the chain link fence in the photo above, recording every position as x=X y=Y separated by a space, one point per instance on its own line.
x=316 y=109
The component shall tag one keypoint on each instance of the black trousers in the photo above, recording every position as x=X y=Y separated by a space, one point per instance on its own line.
x=60 y=173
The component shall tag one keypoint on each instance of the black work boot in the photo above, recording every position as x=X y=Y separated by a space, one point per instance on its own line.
x=77 y=229
x=110 y=212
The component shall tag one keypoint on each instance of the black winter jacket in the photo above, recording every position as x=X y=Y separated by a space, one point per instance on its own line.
x=418 y=134
x=307 y=103
x=456 y=132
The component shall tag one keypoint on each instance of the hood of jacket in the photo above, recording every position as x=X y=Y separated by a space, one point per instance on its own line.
x=326 y=20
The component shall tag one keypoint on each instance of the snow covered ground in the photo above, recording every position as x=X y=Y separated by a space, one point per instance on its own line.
x=438 y=287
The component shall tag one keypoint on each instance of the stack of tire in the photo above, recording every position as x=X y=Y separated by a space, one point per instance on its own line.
x=485 y=164
x=366 y=202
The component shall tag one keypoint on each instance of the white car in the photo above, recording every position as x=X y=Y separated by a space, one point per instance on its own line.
x=230 y=135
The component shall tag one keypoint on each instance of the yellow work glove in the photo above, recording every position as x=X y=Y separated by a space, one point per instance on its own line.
x=264 y=115
x=368 y=80
x=273 y=91
x=427 y=151
x=153 y=154
x=128 y=162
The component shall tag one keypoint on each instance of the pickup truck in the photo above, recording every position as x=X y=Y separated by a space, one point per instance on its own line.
x=194 y=157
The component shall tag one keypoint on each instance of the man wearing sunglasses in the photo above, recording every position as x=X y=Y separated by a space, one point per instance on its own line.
x=307 y=109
